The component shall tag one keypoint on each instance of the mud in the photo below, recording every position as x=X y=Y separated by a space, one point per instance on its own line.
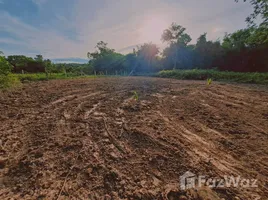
x=90 y=139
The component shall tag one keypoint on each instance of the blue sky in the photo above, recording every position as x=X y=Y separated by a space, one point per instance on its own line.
x=68 y=29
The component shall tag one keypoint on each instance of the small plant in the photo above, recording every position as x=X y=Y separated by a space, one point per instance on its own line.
x=135 y=95
x=209 y=81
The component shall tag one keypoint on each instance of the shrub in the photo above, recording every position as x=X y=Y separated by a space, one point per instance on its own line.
x=8 y=81
x=197 y=74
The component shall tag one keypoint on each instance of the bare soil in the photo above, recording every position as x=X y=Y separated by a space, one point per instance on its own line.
x=90 y=139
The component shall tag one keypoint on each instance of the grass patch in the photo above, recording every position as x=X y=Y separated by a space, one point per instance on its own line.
x=8 y=81
x=196 y=74
x=15 y=79
x=42 y=76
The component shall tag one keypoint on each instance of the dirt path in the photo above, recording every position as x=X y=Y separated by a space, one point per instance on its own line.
x=89 y=139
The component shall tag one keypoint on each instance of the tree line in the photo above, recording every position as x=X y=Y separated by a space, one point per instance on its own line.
x=242 y=51
x=24 y=64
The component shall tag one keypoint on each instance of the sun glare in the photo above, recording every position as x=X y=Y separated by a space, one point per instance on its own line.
x=152 y=29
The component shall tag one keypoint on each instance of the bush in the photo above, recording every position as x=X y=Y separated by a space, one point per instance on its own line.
x=215 y=75
x=7 y=81
x=5 y=67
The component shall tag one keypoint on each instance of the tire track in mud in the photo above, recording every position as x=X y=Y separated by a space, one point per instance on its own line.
x=201 y=148
x=209 y=150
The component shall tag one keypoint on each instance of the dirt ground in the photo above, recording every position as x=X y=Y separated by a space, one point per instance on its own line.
x=90 y=139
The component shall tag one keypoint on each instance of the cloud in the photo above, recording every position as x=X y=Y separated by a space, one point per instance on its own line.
x=71 y=28
x=48 y=42
x=11 y=41
x=39 y=2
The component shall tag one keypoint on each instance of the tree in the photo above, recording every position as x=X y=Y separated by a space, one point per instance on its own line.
x=19 y=62
x=237 y=40
x=49 y=66
x=38 y=58
x=258 y=37
x=246 y=38
x=102 y=50
x=105 y=59
x=207 y=52
x=146 y=54
x=26 y=64
x=131 y=61
x=5 y=67
x=177 y=38
x=260 y=9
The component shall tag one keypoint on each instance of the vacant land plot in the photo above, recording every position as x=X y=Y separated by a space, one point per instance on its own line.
x=90 y=139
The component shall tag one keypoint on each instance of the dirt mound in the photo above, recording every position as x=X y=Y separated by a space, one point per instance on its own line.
x=90 y=139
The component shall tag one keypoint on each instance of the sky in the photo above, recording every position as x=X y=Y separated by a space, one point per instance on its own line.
x=68 y=29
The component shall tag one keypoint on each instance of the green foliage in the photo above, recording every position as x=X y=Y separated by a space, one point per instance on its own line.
x=260 y=9
x=206 y=52
x=18 y=60
x=8 y=81
x=177 y=52
x=258 y=37
x=102 y=50
x=209 y=81
x=49 y=66
x=176 y=34
x=26 y=64
x=38 y=58
x=242 y=51
x=195 y=74
x=43 y=76
x=246 y=38
x=146 y=56
x=105 y=59
x=5 y=67
x=135 y=95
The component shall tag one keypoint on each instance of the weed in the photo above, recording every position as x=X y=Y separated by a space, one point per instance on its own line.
x=135 y=95
x=209 y=81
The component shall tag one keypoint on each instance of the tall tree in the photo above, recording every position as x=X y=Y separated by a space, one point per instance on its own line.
x=206 y=52
x=38 y=58
x=147 y=53
x=101 y=51
x=105 y=59
x=177 y=38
